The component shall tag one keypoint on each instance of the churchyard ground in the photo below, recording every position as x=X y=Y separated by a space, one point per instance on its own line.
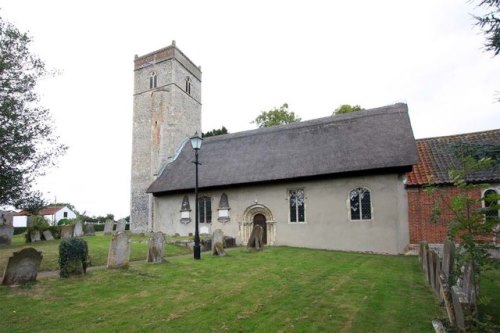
x=280 y=289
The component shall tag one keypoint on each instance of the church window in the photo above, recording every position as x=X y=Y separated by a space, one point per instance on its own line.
x=223 y=209
x=153 y=80
x=185 y=210
x=491 y=209
x=188 y=85
x=297 y=205
x=205 y=210
x=360 y=203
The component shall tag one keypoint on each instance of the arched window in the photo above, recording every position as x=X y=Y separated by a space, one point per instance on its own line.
x=360 y=203
x=188 y=85
x=491 y=203
x=205 y=210
x=153 y=80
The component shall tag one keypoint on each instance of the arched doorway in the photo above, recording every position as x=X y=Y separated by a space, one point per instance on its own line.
x=260 y=219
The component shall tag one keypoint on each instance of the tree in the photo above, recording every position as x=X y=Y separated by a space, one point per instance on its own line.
x=490 y=24
x=215 y=132
x=346 y=108
x=27 y=141
x=276 y=116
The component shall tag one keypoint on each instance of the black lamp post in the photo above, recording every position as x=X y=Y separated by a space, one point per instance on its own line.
x=196 y=141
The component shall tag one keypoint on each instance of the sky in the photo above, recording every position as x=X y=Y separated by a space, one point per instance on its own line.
x=255 y=55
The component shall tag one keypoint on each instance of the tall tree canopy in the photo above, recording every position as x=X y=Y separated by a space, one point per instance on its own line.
x=276 y=116
x=215 y=132
x=28 y=144
x=490 y=24
x=346 y=108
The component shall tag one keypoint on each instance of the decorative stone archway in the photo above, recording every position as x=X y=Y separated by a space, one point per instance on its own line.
x=246 y=225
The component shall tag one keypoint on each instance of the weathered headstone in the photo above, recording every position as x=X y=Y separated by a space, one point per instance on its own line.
x=78 y=231
x=108 y=227
x=89 y=229
x=425 y=262
x=35 y=236
x=421 y=253
x=255 y=240
x=156 y=251
x=119 y=250
x=459 y=307
x=470 y=286
x=47 y=234
x=120 y=225
x=432 y=269
x=67 y=231
x=22 y=267
x=437 y=269
x=218 y=243
x=448 y=258
x=6 y=233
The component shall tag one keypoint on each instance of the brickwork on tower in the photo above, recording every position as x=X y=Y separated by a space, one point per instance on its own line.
x=167 y=110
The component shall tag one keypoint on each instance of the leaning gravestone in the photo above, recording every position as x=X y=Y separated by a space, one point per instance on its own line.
x=218 y=243
x=156 y=252
x=67 y=231
x=459 y=307
x=89 y=229
x=78 y=231
x=120 y=225
x=35 y=236
x=22 y=267
x=47 y=234
x=255 y=240
x=119 y=250
x=6 y=233
x=108 y=227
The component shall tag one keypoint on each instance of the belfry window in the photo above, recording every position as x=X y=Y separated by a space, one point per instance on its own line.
x=491 y=208
x=188 y=85
x=153 y=80
x=360 y=203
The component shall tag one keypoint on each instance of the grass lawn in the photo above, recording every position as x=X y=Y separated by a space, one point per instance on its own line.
x=280 y=289
x=98 y=250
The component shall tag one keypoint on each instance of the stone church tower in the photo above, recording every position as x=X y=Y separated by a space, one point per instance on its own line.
x=167 y=110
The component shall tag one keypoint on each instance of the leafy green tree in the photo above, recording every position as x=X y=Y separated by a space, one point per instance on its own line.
x=32 y=202
x=490 y=24
x=276 y=116
x=346 y=108
x=27 y=141
x=215 y=132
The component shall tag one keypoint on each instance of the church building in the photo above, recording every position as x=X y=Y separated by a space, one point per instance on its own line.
x=336 y=182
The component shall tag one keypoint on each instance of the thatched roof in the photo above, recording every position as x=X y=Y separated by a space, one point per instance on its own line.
x=370 y=140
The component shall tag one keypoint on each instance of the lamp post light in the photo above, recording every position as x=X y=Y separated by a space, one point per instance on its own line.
x=196 y=141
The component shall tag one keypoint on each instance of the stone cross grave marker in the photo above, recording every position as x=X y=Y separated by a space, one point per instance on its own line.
x=156 y=251
x=88 y=229
x=255 y=240
x=218 y=243
x=22 y=267
x=120 y=225
x=6 y=233
x=119 y=250
x=35 y=236
x=78 y=231
x=47 y=234
x=67 y=231
x=108 y=227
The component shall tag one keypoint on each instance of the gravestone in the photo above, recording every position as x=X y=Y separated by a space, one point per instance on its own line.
x=469 y=288
x=459 y=307
x=425 y=262
x=108 y=227
x=120 y=225
x=67 y=231
x=218 y=243
x=448 y=259
x=421 y=254
x=437 y=269
x=432 y=268
x=119 y=250
x=255 y=240
x=156 y=251
x=22 y=267
x=47 y=234
x=35 y=236
x=78 y=231
x=6 y=233
x=89 y=229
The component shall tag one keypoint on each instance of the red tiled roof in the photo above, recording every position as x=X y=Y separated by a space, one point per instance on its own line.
x=50 y=210
x=437 y=155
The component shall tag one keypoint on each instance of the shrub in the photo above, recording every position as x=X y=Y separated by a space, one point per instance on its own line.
x=36 y=222
x=98 y=227
x=73 y=256
x=67 y=221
